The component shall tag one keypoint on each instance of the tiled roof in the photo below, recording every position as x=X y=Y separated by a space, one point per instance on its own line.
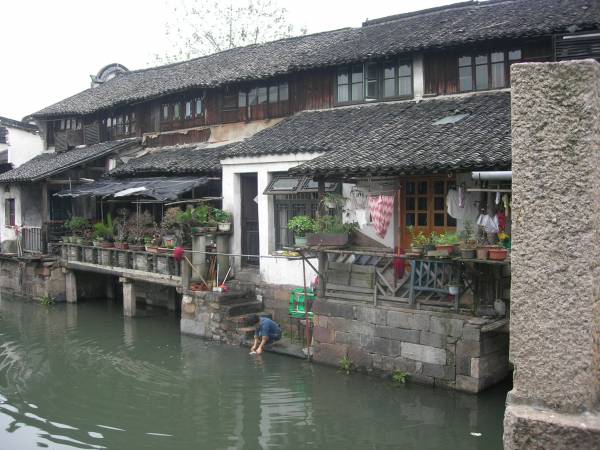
x=11 y=123
x=48 y=164
x=444 y=134
x=176 y=160
x=441 y=27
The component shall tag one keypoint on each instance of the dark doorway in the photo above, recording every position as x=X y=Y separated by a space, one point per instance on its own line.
x=250 y=240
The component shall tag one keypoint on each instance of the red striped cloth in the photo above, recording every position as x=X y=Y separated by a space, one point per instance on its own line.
x=382 y=208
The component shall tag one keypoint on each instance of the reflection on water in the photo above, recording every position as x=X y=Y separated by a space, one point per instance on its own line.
x=81 y=376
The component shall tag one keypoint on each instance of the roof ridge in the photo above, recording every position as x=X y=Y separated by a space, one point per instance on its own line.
x=436 y=9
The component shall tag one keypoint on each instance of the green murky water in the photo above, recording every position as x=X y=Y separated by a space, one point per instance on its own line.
x=83 y=377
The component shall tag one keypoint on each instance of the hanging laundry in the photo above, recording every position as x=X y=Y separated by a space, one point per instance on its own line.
x=362 y=217
x=497 y=198
x=382 y=208
x=453 y=205
x=461 y=196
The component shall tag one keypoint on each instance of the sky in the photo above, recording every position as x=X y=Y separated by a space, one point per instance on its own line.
x=50 y=48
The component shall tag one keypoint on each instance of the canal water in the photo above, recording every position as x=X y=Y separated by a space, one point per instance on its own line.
x=80 y=376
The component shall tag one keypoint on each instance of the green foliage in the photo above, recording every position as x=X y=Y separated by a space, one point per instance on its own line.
x=46 y=300
x=333 y=200
x=300 y=225
x=346 y=365
x=417 y=239
x=399 y=377
x=221 y=216
x=334 y=224
x=447 y=239
x=468 y=234
x=104 y=231
x=77 y=225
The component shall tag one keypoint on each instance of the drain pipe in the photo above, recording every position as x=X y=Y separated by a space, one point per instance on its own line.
x=492 y=176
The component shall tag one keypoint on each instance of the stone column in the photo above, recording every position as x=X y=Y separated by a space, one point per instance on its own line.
x=223 y=261
x=555 y=295
x=70 y=286
x=199 y=259
x=128 y=297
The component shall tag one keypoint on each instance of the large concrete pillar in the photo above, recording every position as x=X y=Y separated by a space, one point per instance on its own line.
x=70 y=286
x=223 y=261
x=199 y=242
x=555 y=294
x=128 y=297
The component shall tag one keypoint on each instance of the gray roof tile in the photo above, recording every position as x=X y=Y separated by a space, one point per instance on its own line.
x=454 y=25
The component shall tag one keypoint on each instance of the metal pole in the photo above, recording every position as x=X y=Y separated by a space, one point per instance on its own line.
x=307 y=325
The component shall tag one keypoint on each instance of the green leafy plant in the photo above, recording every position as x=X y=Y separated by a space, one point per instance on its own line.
x=346 y=365
x=417 y=239
x=468 y=235
x=333 y=200
x=334 y=224
x=221 y=216
x=446 y=239
x=46 y=300
x=300 y=225
x=77 y=225
x=399 y=377
x=104 y=231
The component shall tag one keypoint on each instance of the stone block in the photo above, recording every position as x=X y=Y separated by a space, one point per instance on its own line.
x=439 y=371
x=329 y=353
x=323 y=335
x=407 y=365
x=399 y=334
x=193 y=327
x=471 y=332
x=341 y=337
x=468 y=348
x=475 y=367
x=446 y=326
x=494 y=343
x=467 y=384
x=463 y=365
x=408 y=320
x=433 y=339
x=450 y=354
x=423 y=353
x=372 y=344
x=421 y=379
x=334 y=309
x=339 y=324
x=371 y=315
x=363 y=328
x=360 y=358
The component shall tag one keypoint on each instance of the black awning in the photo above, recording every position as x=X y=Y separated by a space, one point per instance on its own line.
x=157 y=188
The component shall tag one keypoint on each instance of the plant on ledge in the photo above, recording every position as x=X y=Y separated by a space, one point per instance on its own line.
x=346 y=365
x=399 y=377
x=79 y=227
x=300 y=226
x=418 y=241
x=103 y=235
x=332 y=231
x=223 y=219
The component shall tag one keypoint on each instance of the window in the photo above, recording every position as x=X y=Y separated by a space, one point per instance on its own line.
x=188 y=109
x=9 y=211
x=372 y=80
x=287 y=206
x=120 y=125
x=165 y=112
x=343 y=82
x=262 y=95
x=283 y=92
x=357 y=84
x=273 y=94
x=242 y=99
x=485 y=71
x=176 y=111
x=405 y=88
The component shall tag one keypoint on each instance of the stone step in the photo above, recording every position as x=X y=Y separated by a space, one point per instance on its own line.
x=242 y=320
x=236 y=297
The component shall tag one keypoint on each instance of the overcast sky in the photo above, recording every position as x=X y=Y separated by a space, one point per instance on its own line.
x=50 y=48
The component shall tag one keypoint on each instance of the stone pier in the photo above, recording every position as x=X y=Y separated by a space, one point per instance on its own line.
x=70 y=286
x=555 y=303
x=129 y=297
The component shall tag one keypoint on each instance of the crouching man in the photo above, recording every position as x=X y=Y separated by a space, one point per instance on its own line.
x=267 y=332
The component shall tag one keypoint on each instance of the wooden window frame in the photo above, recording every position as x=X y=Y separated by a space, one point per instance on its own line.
x=10 y=219
x=507 y=61
x=379 y=80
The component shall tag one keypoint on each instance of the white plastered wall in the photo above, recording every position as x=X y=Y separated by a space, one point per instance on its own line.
x=272 y=271
x=23 y=145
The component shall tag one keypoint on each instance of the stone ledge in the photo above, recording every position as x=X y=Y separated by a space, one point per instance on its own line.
x=528 y=428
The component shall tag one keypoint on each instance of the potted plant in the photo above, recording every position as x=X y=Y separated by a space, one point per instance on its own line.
x=469 y=244
x=223 y=219
x=446 y=243
x=168 y=225
x=332 y=200
x=300 y=226
x=498 y=253
x=103 y=235
x=201 y=219
x=331 y=231
x=138 y=227
x=418 y=241
x=78 y=227
x=151 y=244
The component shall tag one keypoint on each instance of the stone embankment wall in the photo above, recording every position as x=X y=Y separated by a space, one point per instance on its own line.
x=32 y=278
x=436 y=348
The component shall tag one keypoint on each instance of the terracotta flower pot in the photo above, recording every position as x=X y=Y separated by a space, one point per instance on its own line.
x=448 y=249
x=498 y=254
x=468 y=253
x=121 y=245
x=482 y=253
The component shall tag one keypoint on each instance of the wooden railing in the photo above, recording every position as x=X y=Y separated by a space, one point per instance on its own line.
x=372 y=276
x=32 y=239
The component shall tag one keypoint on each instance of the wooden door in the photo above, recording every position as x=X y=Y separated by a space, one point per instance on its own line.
x=250 y=235
x=423 y=206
